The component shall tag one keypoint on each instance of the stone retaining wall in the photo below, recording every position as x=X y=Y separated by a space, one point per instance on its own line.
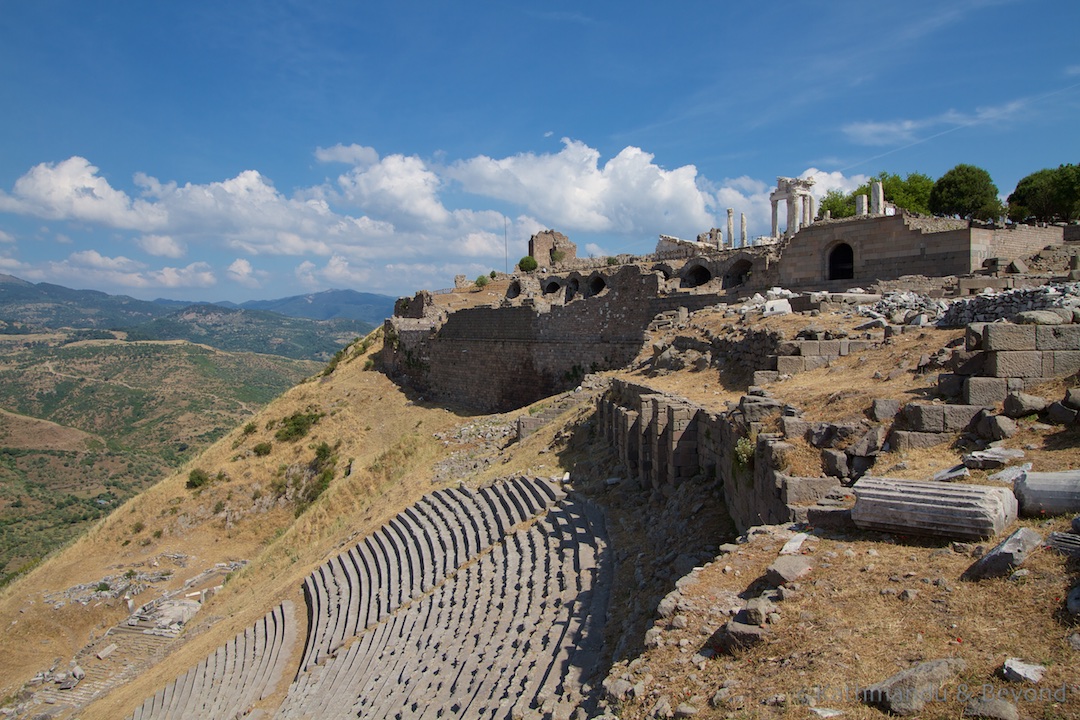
x=498 y=359
x=662 y=440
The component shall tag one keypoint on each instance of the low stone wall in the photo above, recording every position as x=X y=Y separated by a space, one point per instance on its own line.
x=1002 y=357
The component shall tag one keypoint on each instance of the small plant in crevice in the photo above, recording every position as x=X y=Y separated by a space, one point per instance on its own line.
x=744 y=453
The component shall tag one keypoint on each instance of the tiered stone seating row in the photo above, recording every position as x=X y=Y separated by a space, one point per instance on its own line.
x=231 y=680
x=516 y=628
x=410 y=555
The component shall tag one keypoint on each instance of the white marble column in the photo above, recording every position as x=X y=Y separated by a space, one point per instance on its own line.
x=860 y=205
x=731 y=226
x=775 y=220
x=742 y=229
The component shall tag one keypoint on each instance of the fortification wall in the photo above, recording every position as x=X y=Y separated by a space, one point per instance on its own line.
x=889 y=246
x=1015 y=241
x=497 y=359
x=884 y=248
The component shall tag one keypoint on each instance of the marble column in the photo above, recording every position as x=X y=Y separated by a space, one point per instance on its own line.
x=742 y=229
x=731 y=226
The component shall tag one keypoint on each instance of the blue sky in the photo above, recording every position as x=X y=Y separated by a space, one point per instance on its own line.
x=258 y=148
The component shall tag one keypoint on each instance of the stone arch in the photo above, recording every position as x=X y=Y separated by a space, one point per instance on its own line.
x=666 y=270
x=552 y=286
x=572 y=287
x=737 y=274
x=597 y=284
x=513 y=290
x=696 y=275
x=841 y=262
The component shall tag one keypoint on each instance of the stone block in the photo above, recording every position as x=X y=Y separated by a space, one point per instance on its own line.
x=1006 y=556
x=908 y=691
x=901 y=440
x=1050 y=493
x=814 y=362
x=776 y=307
x=787 y=568
x=995 y=427
x=736 y=635
x=884 y=409
x=973 y=336
x=830 y=348
x=985 y=391
x=1057 y=337
x=806 y=491
x=765 y=377
x=958 y=417
x=809 y=347
x=834 y=463
x=1014 y=364
x=1059 y=414
x=1018 y=405
x=1039 y=317
x=845 y=347
x=860 y=345
x=1009 y=337
x=794 y=427
x=950 y=385
x=1066 y=362
x=925 y=418
x=790 y=364
x=967 y=362
x=869 y=444
x=932 y=508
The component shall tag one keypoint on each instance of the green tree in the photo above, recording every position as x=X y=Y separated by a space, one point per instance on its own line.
x=837 y=204
x=911 y=193
x=1047 y=195
x=527 y=264
x=482 y=280
x=967 y=191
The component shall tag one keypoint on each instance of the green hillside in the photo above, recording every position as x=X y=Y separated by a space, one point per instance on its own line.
x=118 y=417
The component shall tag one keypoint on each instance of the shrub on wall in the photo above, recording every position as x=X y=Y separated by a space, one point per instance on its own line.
x=527 y=264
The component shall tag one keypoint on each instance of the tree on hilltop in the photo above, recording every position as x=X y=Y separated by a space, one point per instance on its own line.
x=837 y=204
x=967 y=191
x=911 y=193
x=1048 y=195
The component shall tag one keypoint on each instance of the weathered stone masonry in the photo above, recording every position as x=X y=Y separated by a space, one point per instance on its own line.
x=497 y=359
x=662 y=440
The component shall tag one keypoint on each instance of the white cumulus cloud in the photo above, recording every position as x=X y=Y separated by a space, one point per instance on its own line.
x=349 y=154
x=399 y=186
x=241 y=271
x=571 y=190
x=73 y=190
x=162 y=246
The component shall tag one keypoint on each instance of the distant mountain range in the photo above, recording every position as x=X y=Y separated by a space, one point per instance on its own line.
x=303 y=326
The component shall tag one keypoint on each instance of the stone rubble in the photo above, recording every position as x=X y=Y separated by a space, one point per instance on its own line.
x=991 y=306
